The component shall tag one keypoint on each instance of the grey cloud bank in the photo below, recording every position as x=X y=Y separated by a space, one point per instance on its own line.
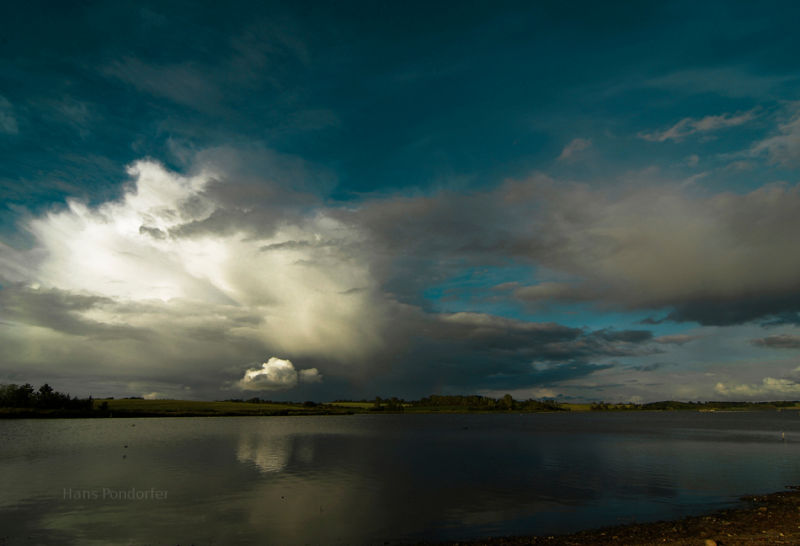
x=711 y=258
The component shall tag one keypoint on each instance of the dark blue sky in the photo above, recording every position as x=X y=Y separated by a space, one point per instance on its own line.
x=593 y=200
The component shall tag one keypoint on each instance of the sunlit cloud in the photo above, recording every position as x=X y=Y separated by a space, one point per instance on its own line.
x=769 y=387
x=277 y=374
x=311 y=294
x=129 y=275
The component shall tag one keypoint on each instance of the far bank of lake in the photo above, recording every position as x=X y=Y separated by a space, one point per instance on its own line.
x=138 y=407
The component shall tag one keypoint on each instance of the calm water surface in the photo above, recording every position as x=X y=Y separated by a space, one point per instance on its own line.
x=367 y=479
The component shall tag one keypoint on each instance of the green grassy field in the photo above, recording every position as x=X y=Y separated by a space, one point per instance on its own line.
x=578 y=407
x=178 y=408
x=352 y=405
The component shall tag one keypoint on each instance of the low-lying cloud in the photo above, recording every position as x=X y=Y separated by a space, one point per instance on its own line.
x=770 y=387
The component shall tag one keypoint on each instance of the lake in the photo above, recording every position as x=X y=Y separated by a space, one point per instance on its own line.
x=371 y=479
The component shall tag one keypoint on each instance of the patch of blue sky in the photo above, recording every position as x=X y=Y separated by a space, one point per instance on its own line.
x=474 y=290
x=477 y=286
x=581 y=315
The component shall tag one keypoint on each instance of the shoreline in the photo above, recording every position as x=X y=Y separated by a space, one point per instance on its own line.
x=773 y=518
x=137 y=407
x=25 y=413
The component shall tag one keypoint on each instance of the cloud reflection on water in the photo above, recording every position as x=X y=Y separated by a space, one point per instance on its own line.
x=267 y=453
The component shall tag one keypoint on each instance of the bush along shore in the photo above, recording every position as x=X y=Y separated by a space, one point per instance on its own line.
x=760 y=520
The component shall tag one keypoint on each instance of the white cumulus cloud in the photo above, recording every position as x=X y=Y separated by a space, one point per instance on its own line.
x=277 y=374
x=309 y=375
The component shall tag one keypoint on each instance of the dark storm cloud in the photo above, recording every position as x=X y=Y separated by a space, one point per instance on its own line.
x=716 y=259
x=629 y=336
x=675 y=339
x=60 y=311
x=651 y=367
x=778 y=319
x=537 y=341
x=772 y=309
x=255 y=191
x=133 y=348
x=454 y=352
x=780 y=341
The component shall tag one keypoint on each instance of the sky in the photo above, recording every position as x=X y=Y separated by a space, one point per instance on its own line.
x=316 y=200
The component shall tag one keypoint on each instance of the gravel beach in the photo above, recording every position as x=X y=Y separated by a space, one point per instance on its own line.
x=762 y=519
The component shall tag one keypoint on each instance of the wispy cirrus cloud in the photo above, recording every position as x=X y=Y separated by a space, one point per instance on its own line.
x=8 y=121
x=691 y=126
x=782 y=148
x=184 y=83
x=724 y=80
x=574 y=147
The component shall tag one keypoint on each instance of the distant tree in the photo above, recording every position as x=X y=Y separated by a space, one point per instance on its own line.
x=24 y=396
x=46 y=397
x=394 y=404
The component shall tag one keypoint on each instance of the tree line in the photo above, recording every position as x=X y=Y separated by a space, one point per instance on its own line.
x=670 y=405
x=487 y=403
x=25 y=396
